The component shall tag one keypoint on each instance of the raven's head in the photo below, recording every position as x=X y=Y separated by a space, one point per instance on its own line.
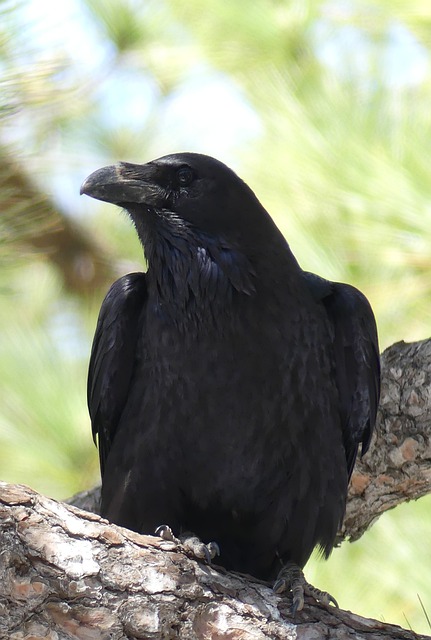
x=189 y=207
x=188 y=189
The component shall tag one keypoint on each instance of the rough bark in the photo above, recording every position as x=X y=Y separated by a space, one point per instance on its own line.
x=67 y=574
x=398 y=465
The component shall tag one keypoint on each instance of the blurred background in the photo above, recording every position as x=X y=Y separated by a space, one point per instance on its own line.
x=323 y=107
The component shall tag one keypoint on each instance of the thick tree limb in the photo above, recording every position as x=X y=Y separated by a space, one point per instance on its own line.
x=398 y=465
x=67 y=574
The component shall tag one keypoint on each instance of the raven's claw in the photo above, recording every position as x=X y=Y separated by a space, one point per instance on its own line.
x=291 y=578
x=200 y=550
x=190 y=542
x=165 y=532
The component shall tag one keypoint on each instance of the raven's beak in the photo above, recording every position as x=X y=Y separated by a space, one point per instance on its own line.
x=122 y=183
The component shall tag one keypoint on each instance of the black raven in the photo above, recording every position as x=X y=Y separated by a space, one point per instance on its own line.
x=229 y=390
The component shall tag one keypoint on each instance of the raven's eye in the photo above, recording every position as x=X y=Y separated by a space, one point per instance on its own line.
x=185 y=176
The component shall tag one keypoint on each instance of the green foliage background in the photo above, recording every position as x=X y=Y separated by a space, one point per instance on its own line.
x=322 y=107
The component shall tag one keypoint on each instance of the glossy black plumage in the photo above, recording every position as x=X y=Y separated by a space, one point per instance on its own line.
x=229 y=390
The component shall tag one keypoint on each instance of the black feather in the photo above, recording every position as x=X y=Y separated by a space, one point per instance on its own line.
x=229 y=390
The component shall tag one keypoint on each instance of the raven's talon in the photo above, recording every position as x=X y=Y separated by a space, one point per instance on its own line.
x=166 y=533
x=291 y=578
x=279 y=586
x=199 y=549
x=214 y=549
x=190 y=542
x=320 y=596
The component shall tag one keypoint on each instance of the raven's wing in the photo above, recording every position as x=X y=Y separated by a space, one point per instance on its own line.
x=113 y=356
x=357 y=362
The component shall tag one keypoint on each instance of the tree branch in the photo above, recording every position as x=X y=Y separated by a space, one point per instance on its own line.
x=398 y=465
x=66 y=573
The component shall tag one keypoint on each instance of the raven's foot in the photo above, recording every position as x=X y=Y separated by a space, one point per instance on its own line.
x=191 y=543
x=291 y=578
